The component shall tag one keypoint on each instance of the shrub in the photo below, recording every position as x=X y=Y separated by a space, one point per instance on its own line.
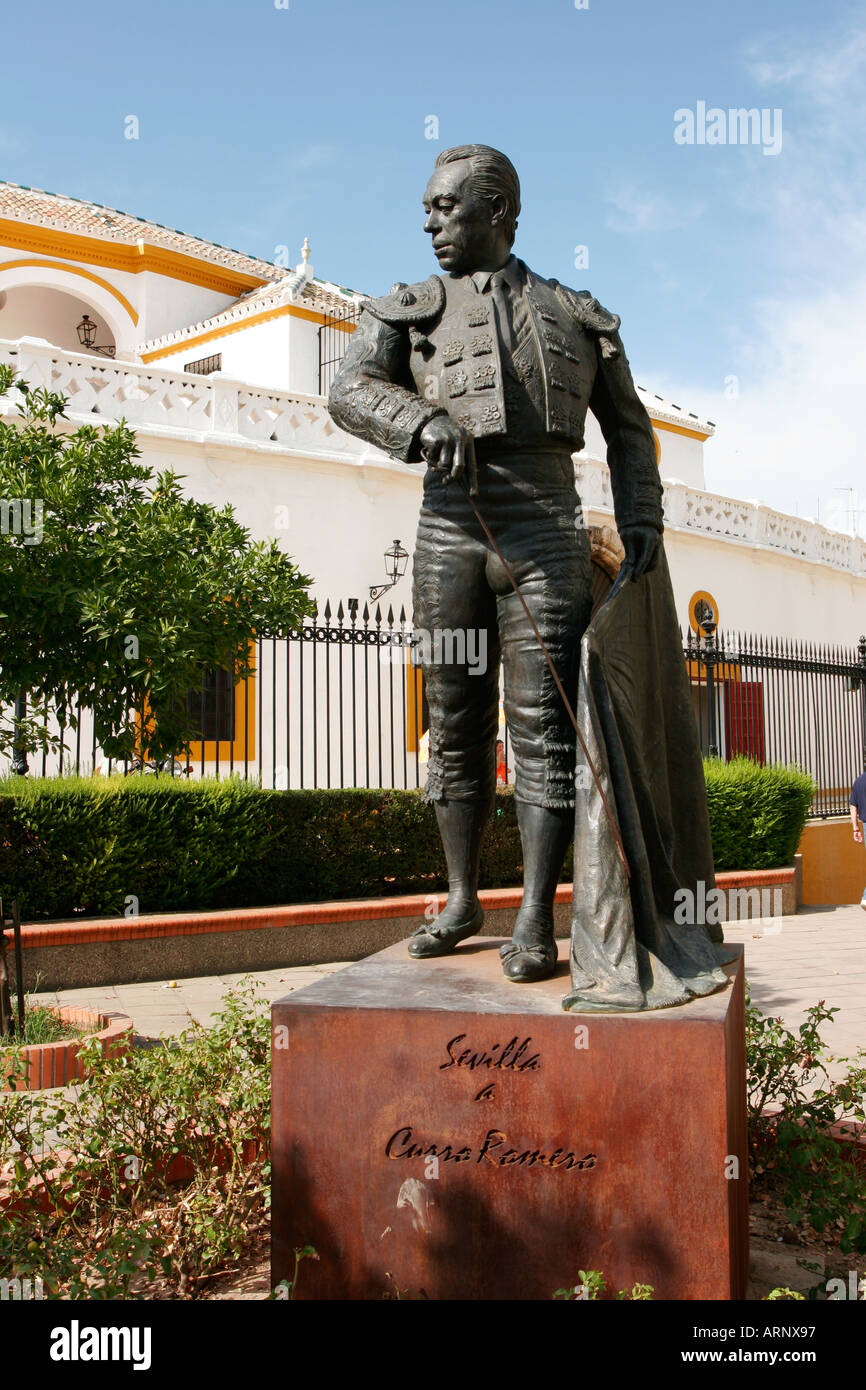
x=75 y=845
x=792 y=1103
x=110 y=1218
x=757 y=812
x=83 y=845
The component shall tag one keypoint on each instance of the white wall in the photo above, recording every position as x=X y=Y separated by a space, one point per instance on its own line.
x=258 y=355
x=303 y=355
x=279 y=354
x=681 y=457
x=165 y=304
x=758 y=590
x=341 y=516
x=35 y=312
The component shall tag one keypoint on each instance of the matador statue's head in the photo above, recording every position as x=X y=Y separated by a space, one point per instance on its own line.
x=472 y=203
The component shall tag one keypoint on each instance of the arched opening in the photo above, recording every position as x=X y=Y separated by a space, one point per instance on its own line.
x=40 y=311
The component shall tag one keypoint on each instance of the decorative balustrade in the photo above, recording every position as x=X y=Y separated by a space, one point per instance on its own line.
x=746 y=523
x=230 y=412
x=172 y=402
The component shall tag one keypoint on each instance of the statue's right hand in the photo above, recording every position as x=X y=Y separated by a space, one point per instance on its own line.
x=445 y=445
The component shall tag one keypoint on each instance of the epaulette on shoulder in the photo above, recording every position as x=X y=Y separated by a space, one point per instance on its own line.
x=588 y=310
x=409 y=304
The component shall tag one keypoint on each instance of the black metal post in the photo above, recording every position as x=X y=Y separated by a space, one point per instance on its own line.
x=711 y=657
x=861 y=658
x=19 y=752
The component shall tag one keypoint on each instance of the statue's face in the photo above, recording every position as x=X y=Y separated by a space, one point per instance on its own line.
x=465 y=237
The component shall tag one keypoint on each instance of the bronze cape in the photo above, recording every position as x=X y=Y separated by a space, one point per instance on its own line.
x=634 y=711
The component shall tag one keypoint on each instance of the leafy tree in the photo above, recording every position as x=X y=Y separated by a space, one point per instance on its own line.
x=117 y=590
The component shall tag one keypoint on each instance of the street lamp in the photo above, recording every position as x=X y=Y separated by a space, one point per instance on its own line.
x=86 y=331
x=395 y=567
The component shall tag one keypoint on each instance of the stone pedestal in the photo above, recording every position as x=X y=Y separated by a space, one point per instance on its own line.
x=440 y=1131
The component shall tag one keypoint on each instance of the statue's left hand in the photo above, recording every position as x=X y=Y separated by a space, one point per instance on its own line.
x=642 y=548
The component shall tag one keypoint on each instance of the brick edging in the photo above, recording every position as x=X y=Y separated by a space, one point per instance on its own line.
x=73 y=932
x=58 y=1063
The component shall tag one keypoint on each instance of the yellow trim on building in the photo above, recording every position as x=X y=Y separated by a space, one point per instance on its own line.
x=73 y=270
x=176 y=265
x=241 y=746
x=236 y=749
x=414 y=708
x=724 y=671
x=236 y=326
x=677 y=429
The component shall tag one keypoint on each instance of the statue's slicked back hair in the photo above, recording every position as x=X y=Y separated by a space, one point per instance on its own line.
x=493 y=175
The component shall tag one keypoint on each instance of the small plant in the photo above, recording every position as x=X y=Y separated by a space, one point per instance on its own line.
x=783 y=1294
x=285 y=1290
x=792 y=1104
x=42 y=1025
x=593 y=1284
x=153 y=1169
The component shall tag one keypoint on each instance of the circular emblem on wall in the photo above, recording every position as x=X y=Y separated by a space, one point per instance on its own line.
x=703 y=611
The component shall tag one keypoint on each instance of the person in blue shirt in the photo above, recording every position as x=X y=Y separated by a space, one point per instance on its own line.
x=858 y=815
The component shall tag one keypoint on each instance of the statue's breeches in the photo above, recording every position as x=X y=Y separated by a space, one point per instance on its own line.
x=468 y=621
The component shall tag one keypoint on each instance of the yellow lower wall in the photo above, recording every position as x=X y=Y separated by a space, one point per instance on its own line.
x=834 y=865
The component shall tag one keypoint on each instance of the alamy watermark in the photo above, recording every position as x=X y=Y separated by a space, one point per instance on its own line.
x=22 y=516
x=18 y=1290
x=699 y=906
x=439 y=646
x=739 y=125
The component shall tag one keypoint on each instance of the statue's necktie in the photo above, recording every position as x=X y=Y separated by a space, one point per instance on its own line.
x=500 y=293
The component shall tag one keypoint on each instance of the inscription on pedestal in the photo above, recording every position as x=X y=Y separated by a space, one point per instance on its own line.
x=494 y=1146
x=441 y=1131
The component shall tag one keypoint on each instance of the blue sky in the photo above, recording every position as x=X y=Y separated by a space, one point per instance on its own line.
x=259 y=126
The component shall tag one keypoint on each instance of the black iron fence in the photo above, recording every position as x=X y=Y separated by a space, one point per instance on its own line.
x=339 y=703
x=782 y=701
x=334 y=335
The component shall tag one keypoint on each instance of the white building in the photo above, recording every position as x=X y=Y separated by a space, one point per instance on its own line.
x=220 y=362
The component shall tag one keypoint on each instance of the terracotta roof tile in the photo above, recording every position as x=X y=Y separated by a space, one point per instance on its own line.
x=34 y=205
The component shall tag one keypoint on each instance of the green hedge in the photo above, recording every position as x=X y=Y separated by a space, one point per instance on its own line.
x=80 y=846
x=72 y=846
x=757 y=813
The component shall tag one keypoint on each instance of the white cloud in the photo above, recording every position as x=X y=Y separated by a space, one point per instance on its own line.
x=635 y=211
x=796 y=432
x=818 y=72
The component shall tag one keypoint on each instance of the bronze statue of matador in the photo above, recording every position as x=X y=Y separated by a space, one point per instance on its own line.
x=486 y=373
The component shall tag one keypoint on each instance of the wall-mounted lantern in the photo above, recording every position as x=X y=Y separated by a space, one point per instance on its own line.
x=86 y=331
x=396 y=559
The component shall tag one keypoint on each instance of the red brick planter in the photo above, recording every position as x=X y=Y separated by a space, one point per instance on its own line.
x=58 y=1063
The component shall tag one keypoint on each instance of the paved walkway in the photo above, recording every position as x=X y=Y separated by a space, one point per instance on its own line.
x=818 y=954
x=792 y=963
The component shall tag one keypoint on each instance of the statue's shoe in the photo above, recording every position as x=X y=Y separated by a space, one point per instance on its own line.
x=435 y=940
x=528 y=964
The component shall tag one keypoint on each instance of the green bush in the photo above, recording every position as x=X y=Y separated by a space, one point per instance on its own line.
x=85 y=845
x=757 y=813
x=793 y=1102
x=82 y=846
x=155 y=1167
